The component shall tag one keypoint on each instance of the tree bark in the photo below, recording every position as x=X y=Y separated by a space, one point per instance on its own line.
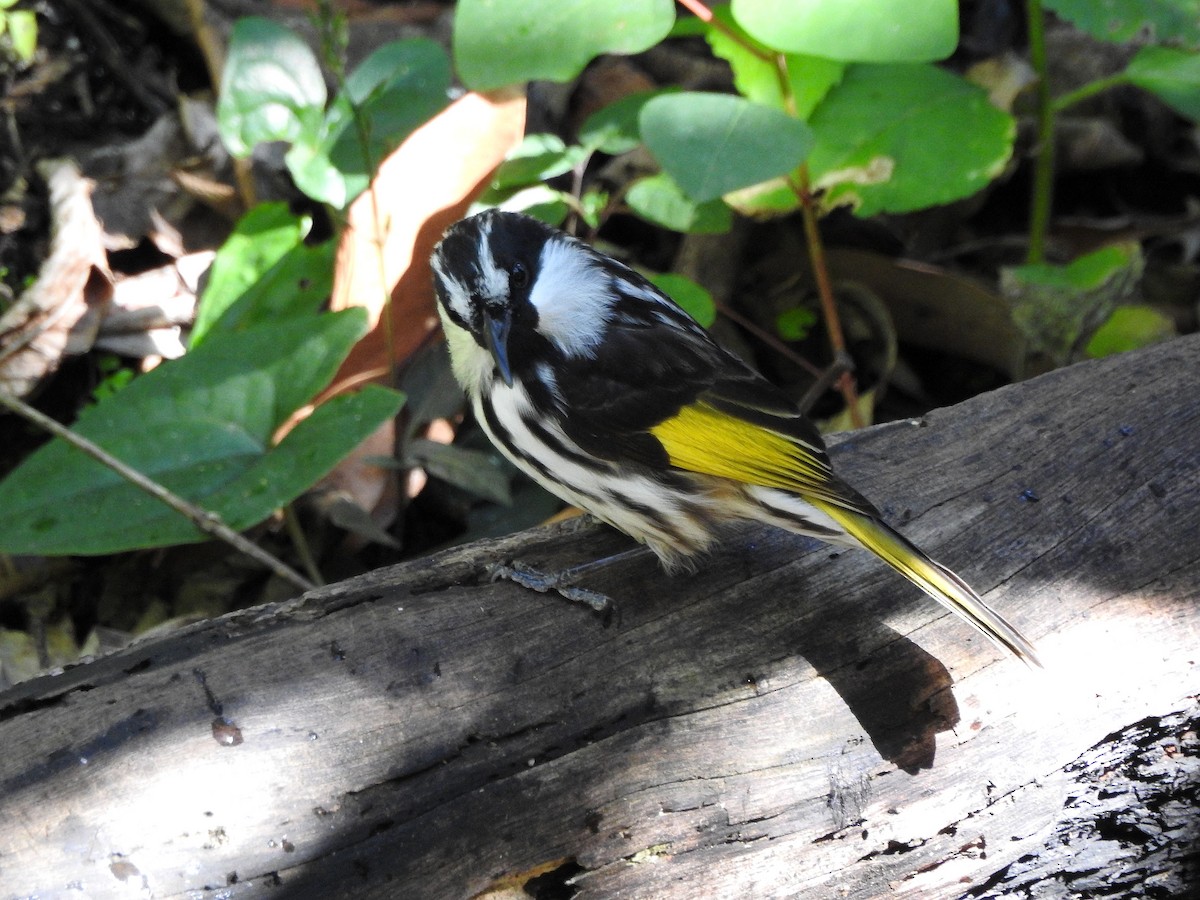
x=788 y=721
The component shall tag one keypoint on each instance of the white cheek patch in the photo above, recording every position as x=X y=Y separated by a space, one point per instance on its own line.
x=572 y=298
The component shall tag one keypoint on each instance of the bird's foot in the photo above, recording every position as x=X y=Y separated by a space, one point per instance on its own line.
x=562 y=582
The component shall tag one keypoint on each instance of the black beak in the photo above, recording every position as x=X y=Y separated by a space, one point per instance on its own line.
x=495 y=333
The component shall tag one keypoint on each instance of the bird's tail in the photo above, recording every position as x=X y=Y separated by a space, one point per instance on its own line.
x=932 y=577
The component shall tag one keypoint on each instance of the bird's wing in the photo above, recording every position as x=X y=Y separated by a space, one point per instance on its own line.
x=716 y=435
x=671 y=397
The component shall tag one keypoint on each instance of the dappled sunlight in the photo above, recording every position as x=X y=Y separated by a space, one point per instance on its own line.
x=153 y=807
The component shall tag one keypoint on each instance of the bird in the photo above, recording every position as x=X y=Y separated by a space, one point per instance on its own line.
x=609 y=395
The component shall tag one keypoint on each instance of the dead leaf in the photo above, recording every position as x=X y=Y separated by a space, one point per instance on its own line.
x=60 y=312
x=935 y=308
x=150 y=309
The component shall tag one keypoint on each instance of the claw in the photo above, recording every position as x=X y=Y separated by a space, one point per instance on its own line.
x=544 y=582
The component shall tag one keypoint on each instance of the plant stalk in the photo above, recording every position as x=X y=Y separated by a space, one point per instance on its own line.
x=1043 y=171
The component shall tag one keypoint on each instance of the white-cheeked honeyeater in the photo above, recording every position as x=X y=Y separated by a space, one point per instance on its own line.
x=606 y=393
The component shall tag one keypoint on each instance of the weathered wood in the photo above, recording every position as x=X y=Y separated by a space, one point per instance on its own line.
x=782 y=723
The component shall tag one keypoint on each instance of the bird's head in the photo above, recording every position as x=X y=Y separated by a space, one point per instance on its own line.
x=513 y=292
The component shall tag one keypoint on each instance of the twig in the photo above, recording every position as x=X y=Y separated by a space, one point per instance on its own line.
x=208 y=522
x=770 y=340
x=833 y=324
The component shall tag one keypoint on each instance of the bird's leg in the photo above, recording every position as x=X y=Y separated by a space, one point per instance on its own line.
x=564 y=582
x=842 y=362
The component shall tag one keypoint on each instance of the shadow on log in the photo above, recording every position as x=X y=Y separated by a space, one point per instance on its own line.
x=786 y=722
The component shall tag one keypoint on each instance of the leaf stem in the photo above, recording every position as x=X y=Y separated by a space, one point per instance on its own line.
x=705 y=15
x=1091 y=89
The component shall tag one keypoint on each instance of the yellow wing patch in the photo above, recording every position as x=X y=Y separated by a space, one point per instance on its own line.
x=706 y=440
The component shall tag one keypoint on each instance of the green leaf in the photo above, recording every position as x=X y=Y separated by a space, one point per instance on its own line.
x=476 y=471
x=714 y=143
x=537 y=158
x=499 y=42
x=1173 y=75
x=894 y=138
x=854 y=30
x=23 y=32
x=695 y=300
x=305 y=455
x=613 y=129
x=271 y=90
x=795 y=323
x=1059 y=308
x=399 y=87
x=1149 y=21
x=766 y=200
x=540 y=201
x=202 y=425
x=756 y=76
x=658 y=199
x=1086 y=273
x=264 y=272
x=1130 y=328
x=592 y=205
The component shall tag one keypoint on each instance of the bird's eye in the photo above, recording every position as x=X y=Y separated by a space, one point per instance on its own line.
x=519 y=276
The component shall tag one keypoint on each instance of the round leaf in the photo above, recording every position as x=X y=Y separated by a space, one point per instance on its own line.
x=272 y=88
x=1174 y=75
x=756 y=73
x=900 y=137
x=399 y=87
x=613 y=129
x=499 y=43
x=854 y=30
x=658 y=199
x=715 y=143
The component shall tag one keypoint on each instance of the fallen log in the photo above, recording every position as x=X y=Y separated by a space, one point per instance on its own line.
x=788 y=721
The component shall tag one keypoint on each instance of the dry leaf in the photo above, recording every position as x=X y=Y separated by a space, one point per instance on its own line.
x=60 y=312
